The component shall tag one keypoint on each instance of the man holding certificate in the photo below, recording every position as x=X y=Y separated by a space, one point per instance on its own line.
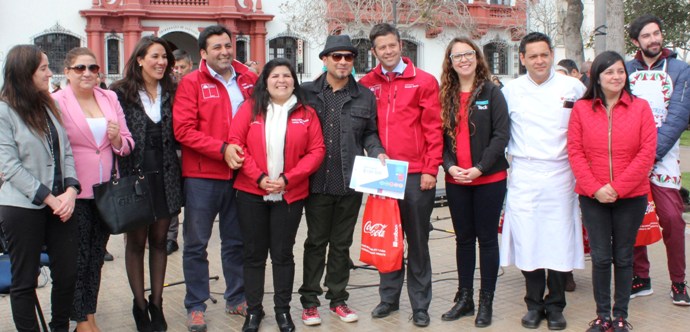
x=347 y=111
x=410 y=129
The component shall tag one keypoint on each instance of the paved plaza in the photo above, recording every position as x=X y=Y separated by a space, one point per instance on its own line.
x=651 y=313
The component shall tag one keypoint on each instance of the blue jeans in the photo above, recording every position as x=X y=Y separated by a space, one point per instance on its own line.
x=206 y=198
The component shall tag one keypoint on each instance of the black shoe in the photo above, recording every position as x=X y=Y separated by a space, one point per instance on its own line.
x=108 y=257
x=532 y=319
x=285 y=323
x=420 y=318
x=556 y=320
x=486 y=300
x=171 y=246
x=384 y=309
x=158 y=323
x=252 y=322
x=464 y=305
x=570 y=282
x=141 y=317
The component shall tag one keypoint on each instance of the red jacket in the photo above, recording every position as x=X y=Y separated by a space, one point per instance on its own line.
x=304 y=150
x=202 y=114
x=409 y=117
x=625 y=160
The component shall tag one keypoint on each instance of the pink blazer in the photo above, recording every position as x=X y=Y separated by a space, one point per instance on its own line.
x=93 y=162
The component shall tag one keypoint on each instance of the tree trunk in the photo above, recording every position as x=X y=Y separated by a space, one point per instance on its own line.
x=615 y=32
x=572 y=38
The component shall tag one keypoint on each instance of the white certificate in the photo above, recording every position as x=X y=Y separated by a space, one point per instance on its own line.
x=371 y=177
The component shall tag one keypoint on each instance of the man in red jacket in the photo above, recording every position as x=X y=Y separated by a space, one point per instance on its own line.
x=205 y=102
x=409 y=124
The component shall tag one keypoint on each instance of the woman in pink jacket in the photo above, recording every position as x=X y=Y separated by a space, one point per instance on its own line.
x=611 y=148
x=97 y=130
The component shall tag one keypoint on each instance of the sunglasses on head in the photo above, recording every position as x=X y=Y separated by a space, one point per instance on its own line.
x=349 y=57
x=79 y=69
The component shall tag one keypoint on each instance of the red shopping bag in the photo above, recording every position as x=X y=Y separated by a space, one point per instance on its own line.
x=650 y=231
x=382 y=234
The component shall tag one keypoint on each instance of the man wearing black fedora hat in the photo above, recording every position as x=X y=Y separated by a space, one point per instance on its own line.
x=347 y=111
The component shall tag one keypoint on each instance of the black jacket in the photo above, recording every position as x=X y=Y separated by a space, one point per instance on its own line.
x=357 y=121
x=490 y=133
x=136 y=118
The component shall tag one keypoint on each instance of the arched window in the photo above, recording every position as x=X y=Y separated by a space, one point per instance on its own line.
x=241 y=50
x=496 y=54
x=283 y=47
x=365 y=60
x=56 y=46
x=410 y=50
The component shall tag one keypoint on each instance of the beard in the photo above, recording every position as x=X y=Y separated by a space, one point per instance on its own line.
x=649 y=53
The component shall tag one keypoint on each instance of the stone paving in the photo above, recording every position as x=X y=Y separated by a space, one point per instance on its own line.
x=651 y=313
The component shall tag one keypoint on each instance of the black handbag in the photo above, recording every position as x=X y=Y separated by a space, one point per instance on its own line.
x=125 y=203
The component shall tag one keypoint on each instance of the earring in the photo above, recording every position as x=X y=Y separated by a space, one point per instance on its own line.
x=140 y=65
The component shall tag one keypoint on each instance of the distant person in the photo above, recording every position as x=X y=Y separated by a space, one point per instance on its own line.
x=496 y=80
x=584 y=70
x=183 y=66
x=253 y=66
x=570 y=67
x=55 y=85
x=102 y=84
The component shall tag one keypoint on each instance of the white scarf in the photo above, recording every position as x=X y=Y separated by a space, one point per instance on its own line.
x=276 y=125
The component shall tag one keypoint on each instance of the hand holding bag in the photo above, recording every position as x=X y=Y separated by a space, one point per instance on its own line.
x=382 y=234
x=124 y=204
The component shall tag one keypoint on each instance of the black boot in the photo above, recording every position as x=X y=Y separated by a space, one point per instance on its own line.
x=158 y=323
x=486 y=300
x=285 y=323
x=464 y=305
x=141 y=317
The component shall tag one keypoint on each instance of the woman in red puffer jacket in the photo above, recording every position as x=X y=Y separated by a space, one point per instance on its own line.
x=611 y=148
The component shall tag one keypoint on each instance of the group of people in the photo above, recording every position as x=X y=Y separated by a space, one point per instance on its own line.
x=257 y=150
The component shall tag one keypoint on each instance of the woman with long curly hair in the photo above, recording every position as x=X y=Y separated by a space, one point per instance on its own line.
x=146 y=94
x=476 y=129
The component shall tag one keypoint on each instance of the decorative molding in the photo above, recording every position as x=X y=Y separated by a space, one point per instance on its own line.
x=179 y=28
x=57 y=28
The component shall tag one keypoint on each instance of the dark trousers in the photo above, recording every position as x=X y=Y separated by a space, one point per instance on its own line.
x=331 y=223
x=174 y=228
x=92 y=237
x=612 y=230
x=27 y=230
x=669 y=208
x=475 y=211
x=268 y=227
x=204 y=200
x=415 y=214
x=536 y=282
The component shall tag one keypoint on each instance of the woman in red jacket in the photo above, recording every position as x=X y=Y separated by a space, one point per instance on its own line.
x=282 y=145
x=611 y=148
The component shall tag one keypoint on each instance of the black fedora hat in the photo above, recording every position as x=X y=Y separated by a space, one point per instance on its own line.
x=338 y=43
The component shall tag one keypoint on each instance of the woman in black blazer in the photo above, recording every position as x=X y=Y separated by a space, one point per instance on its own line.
x=146 y=94
x=38 y=195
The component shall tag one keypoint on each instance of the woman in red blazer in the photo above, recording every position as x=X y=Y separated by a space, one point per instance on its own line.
x=96 y=129
x=282 y=145
x=611 y=148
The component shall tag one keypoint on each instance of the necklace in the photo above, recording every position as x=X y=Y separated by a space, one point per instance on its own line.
x=49 y=137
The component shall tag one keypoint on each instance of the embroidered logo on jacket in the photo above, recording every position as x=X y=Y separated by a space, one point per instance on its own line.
x=482 y=104
x=209 y=90
x=300 y=121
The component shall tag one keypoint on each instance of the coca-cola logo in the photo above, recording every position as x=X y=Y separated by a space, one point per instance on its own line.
x=375 y=230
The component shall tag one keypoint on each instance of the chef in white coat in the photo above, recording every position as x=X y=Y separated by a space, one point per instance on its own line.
x=542 y=230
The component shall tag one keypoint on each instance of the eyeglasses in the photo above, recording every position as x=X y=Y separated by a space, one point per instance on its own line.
x=469 y=56
x=79 y=69
x=349 y=57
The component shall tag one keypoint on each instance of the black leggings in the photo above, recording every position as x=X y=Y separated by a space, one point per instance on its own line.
x=156 y=234
x=27 y=230
x=475 y=211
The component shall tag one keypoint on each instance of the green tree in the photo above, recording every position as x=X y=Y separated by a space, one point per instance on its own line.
x=674 y=14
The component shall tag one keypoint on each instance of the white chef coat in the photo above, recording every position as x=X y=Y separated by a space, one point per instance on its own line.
x=542 y=228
